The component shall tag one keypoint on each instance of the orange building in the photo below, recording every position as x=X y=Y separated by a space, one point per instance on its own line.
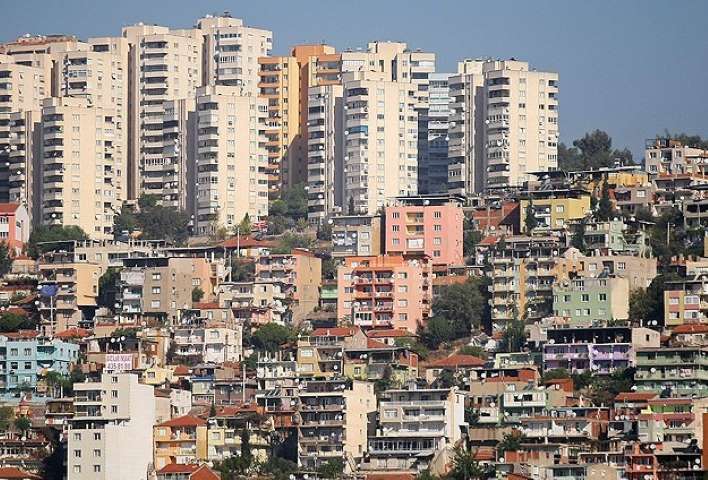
x=387 y=291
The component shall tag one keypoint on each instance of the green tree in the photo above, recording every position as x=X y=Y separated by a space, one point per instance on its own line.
x=278 y=468
x=245 y=226
x=54 y=233
x=470 y=238
x=23 y=424
x=605 y=208
x=530 y=220
x=161 y=223
x=457 y=310
x=271 y=336
x=5 y=417
x=474 y=350
x=695 y=141
x=12 y=322
x=125 y=221
x=416 y=347
x=197 y=294
x=648 y=304
x=511 y=442
x=592 y=151
x=242 y=269
x=289 y=240
x=578 y=238
x=426 y=475
x=5 y=259
x=555 y=374
x=329 y=268
x=331 y=469
x=324 y=232
x=108 y=287
x=465 y=467
x=514 y=337
x=604 y=389
x=246 y=452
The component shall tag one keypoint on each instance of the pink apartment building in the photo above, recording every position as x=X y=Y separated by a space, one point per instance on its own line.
x=14 y=226
x=426 y=225
x=388 y=291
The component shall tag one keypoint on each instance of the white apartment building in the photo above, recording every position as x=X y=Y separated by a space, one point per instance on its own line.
x=325 y=159
x=665 y=156
x=79 y=178
x=231 y=52
x=230 y=149
x=179 y=147
x=209 y=345
x=415 y=423
x=110 y=435
x=164 y=65
x=24 y=161
x=22 y=89
x=380 y=141
x=503 y=124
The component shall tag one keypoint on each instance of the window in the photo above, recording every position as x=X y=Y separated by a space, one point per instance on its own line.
x=390 y=413
x=96 y=468
x=437 y=241
x=96 y=452
x=437 y=214
x=156 y=290
x=155 y=304
x=396 y=215
x=114 y=393
x=306 y=352
x=77 y=437
x=77 y=468
x=395 y=228
x=156 y=276
x=673 y=301
x=437 y=228
x=114 y=408
x=436 y=253
x=403 y=303
x=602 y=297
x=77 y=453
x=585 y=297
x=586 y=312
x=560 y=208
x=621 y=265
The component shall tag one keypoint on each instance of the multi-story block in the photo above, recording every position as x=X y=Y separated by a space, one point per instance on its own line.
x=637 y=270
x=599 y=350
x=164 y=65
x=553 y=209
x=231 y=52
x=208 y=344
x=228 y=426
x=110 y=434
x=300 y=272
x=277 y=394
x=433 y=173
x=231 y=150
x=255 y=303
x=425 y=226
x=664 y=156
x=686 y=301
x=24 y=356
x=380 y=141
x=333 y=422
x=178 y=170
x=675 y=371
x=413 y=425
x=615 y=236
x=321 y=354
x=357 y=235
x=384 y=291
x=506 y=124
x=591 y=300
x=325 y=158
x=180 y=440
x=77 y=138
x=160 y=287
x=22 y=89
x=14 y=226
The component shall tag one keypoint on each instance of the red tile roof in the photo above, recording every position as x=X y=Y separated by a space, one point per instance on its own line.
x=8 y=473
x=22 y=334
x=333 y=332
x=73 y=332
x=390 y=476
x=246 y=241
x=206 y=305
x=180 y=370
x=185 y=421
x=8 y=207
x=178 y=468
x=690 y=328
x=458 y=360
x=634 y=396
x=204 y=473
x=375 y=344
x=390 y=333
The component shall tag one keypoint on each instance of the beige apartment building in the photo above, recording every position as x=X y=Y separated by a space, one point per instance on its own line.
x=160 y=288
x=230 y=153
x=164 y=65
x=110 y=434
x=325 y=152
x=504 y=124
x=300 y=273
x=380 y=141
x=664 y=156
x=179 y=152
x=79 y=178
x=22 y=89
x=231 y=52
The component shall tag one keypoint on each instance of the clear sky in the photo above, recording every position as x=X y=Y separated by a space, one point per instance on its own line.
x=631 y=67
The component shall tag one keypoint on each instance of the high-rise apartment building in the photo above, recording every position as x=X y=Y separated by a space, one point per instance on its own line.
x=110 y=434
x=179 y=147
x=230 y=153
x=380 y=141
x=231 y=52
x=432 y=173
x=503 y=124
x=325 y=159
x=164 y=65
x=79 y=177
x=22 y=89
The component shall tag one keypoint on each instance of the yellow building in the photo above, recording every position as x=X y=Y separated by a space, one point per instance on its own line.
x=157 y=375
x=180 y=440
x=555 y=209
x=227 y=428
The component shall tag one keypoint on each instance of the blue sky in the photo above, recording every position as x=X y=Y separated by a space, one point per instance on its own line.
x=632 y=68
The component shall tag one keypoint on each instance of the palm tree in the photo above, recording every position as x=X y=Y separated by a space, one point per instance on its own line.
x=465 y=467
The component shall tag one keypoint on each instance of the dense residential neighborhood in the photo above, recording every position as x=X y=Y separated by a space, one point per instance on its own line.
x=219 y=263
